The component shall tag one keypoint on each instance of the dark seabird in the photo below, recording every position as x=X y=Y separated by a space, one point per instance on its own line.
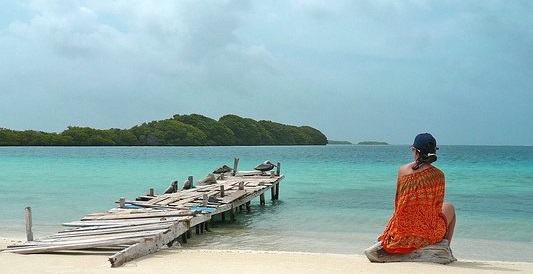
x=208 y=180
x=187 y=185
x=264 y=167
x=172 y=188
x=222 y=169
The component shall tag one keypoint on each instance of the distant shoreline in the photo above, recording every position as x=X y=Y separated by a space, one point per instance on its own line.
x=180 y=130
x=364 y=143
x=332 y=142
x=373 y=143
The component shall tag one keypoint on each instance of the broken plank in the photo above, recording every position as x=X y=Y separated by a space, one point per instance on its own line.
x=233 y=196
x=89 y=223
x=136 y=215
x=72 y=246
x=93 y=238
x=125 y=223
x=154 y=244
x=113 y=230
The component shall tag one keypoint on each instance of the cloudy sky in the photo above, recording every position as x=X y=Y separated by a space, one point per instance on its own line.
x=356 y=70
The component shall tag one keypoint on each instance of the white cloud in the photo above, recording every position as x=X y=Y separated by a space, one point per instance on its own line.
x=365 y=63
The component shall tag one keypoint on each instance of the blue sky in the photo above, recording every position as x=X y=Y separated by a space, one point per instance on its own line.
x=356 y=70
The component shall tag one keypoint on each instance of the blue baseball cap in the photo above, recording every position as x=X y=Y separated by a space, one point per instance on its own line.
x=425 y=143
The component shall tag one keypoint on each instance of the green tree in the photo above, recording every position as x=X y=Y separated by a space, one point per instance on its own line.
x=281 y=134
x=9 y=137
x=181 y=130
x=169 y=133
x=123 y=137
x=86 y=136
x=217 y=133
x=316 y=136
x=247 y=131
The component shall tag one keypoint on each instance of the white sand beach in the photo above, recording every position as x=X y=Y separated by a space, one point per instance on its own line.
x=227 y=261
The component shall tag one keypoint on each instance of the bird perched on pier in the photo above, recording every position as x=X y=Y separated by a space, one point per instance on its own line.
x=208 y=180
x=172 y=188
x=222 y=169
x=265 y=166
x=187 y=185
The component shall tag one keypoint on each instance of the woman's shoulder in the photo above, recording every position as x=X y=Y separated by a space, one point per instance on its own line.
x=407 y=169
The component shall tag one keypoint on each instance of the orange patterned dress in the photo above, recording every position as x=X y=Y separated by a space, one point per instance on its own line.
x=418 y=220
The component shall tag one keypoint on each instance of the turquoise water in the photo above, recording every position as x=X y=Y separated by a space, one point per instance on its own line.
x=334 y=199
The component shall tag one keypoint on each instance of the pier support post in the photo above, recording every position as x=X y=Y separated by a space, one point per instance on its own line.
x=233 y=214
x=222 y=191
x=278 y=169
x=190 y=179
x=262 y=199
x=274 y=191
x=235 y=166
x=151 y=192
x=248 y=208
x=204 y=199
x=122 y=202
x=29 y=233
x=241 y=185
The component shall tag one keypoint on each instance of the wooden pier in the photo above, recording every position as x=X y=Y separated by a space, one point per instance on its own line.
x=144 y=226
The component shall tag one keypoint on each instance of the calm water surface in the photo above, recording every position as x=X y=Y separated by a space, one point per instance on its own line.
x=333 y=199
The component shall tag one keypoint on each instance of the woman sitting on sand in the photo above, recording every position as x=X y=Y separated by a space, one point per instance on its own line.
x=420 y=216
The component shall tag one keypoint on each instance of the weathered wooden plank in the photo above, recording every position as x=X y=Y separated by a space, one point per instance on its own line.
x=248 y=173
x=232 y=196
x=71 y=246
x=125 y=224
x=113 y=230
x=152 y=245
x=159 y=198
x=141 y=204
x=92 y=238
x=182 y=202
x=171 y=200
x=89 y=223
x=140 y=214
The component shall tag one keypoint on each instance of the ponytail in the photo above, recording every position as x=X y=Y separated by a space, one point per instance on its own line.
x=424 y=159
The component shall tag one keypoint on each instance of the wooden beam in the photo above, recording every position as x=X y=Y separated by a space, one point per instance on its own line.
x=71 y=246
x=139 y=214
x=29 y=233
x=262 y=199
x=152 y=245
x=235 y=166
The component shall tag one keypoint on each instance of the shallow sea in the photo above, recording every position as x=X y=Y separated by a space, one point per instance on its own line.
x=334 y=198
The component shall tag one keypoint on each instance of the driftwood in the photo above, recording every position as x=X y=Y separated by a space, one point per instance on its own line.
x=437 y=253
